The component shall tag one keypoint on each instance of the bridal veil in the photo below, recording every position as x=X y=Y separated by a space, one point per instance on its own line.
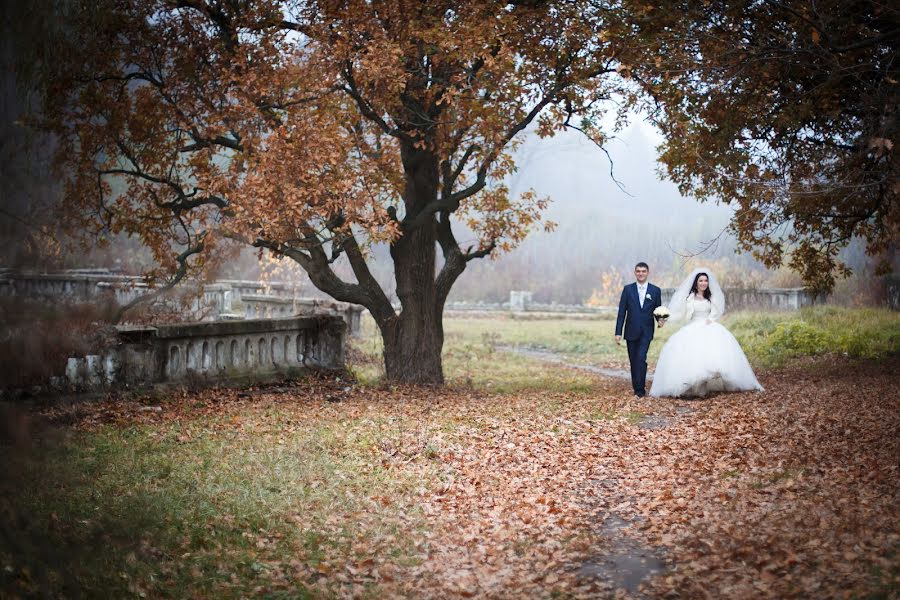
x=678 y=302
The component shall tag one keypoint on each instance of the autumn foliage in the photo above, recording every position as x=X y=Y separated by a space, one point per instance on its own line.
x=786 y=110
x=314 y=129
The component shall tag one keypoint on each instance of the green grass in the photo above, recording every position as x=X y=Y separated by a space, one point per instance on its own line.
x=580 y=341
x=199 y=509
x=771 y=339
x=472 y=357
x=473 y=352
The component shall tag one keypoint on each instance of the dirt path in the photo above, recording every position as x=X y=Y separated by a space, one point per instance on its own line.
x=556 y=358
x=623 y=561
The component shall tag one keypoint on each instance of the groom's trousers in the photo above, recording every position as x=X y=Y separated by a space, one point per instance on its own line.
x=637 y=356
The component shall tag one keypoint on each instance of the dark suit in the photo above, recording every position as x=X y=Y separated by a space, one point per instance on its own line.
x=639 y=325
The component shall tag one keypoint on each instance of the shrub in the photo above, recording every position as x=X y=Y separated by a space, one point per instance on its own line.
x=799 y=338
x=770 y=338
x=37 y=338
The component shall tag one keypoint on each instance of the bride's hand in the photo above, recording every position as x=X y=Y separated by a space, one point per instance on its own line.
x=708 y=321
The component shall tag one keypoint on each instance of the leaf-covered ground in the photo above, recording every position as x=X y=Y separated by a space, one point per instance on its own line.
x=327 y=489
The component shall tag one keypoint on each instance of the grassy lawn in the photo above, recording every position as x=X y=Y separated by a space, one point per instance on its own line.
x=474 y=356
x=206 y=504
x=331 y=487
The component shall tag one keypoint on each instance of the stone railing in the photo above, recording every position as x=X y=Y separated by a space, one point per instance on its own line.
x=530 y=308
x=257 y=306
x=223 y=299
x=736 y=299
x=211 y=353
x=521 y=302
x=242 y=287
x=70 y=286
x=764 y=298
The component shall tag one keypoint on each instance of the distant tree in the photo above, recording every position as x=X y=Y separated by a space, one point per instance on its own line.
x=28 y=189
x=314 y=128
x=788 y=110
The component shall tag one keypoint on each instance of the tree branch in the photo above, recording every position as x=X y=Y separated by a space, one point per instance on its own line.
x=320 y=273
x=454 y=261
x=379 y=305
x=366 y=109
x=472 y=255
x=450 y=202
x=180 y=274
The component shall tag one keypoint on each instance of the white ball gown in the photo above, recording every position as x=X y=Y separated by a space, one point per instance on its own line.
x=702 y=357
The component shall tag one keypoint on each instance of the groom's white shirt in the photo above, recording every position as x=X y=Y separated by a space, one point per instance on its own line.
x=642 y=292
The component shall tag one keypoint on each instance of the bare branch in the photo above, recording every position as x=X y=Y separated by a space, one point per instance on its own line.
x=316 y=265
x=379 y=305
x=180 y=274
x=612 y=174
x=481 y=253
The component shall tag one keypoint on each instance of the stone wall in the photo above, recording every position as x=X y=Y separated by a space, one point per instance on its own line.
x=210 y=353
x=224 y=299
x=736 y=299
x=764 y=298
x=258 y=306
x=522 y=302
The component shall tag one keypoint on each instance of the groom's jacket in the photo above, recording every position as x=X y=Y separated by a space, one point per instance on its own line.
x=637 y=320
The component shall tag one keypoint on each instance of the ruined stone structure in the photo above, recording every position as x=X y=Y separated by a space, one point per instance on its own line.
x=892 y=287
x=258 y=306
x=225 y=299
x=212 y=352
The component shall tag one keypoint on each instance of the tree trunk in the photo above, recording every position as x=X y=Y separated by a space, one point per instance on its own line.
x=414 y=339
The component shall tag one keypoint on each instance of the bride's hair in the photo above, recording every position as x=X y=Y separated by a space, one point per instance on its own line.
x=706 y=293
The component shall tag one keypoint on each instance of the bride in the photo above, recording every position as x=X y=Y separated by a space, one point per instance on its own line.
x=702 y=356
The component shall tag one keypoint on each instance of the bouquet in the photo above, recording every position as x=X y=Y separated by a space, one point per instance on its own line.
x=661 y=313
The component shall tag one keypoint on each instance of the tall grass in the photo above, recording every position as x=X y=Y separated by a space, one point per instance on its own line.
x=770 y=339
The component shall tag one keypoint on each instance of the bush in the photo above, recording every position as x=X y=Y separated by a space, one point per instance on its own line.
x=770 y=338
x=799 y=338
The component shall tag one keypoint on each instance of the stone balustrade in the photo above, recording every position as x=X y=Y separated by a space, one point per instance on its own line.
x=73 y=287
x=212 y=353
x=242 y=287
x=764 y=298
x=258 y=306
x=223 y=299
x=736 y=299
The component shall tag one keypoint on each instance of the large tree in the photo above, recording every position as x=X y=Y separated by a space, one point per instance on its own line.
x=788 y=110
x=315 y=128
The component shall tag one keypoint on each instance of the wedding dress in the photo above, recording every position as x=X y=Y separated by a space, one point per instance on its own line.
x=703 y=356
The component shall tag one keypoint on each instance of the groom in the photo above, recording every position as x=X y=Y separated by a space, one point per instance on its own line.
x=636 y=307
